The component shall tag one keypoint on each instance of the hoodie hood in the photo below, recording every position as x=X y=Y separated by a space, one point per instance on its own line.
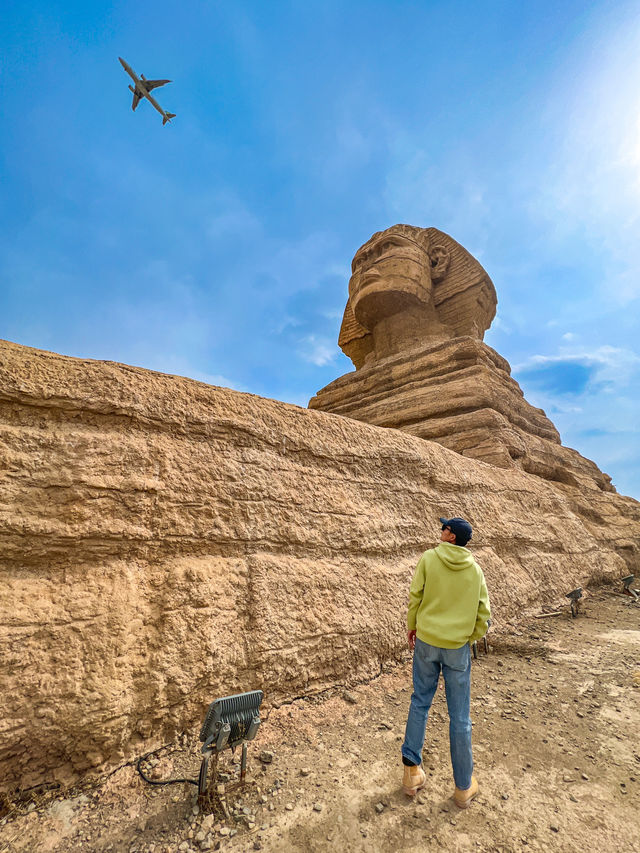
x=454 y=557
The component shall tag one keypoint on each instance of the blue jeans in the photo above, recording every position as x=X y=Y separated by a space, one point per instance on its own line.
x=455 y=665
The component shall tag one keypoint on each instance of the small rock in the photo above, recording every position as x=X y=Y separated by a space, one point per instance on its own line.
x=289 y=807
x=184 y=846
x=304 y=771
x=200 y=836
x=266 y=756
x=568 y=778
x=573 y=799
x=207 y=822
x=379 y=807
x=317 y=807
x=350 y=698
x=585 y=777
x=224 y=831
x=554 y=828
x=505 y=796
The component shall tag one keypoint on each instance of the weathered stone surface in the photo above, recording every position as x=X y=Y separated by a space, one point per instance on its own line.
x=164 y=542
x=417 y=308
x=460 y=393
x=409 y=285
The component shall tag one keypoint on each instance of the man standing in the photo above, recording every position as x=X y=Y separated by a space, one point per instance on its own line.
x=448 y=610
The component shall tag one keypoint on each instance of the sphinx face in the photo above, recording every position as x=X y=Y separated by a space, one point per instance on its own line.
x=390 y=274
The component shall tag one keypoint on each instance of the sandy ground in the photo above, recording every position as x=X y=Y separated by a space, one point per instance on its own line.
x=556 y=711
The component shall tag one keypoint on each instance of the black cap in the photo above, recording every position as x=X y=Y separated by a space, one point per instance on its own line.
x=460 y=527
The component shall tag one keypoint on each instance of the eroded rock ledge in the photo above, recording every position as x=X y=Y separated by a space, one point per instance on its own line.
x=460 y=393
x=164 y=542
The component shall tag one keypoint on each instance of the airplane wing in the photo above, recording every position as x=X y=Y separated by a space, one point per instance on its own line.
x=136 y=100
x=153 y=84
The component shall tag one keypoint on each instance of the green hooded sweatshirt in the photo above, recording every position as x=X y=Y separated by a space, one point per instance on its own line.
x=448 y=600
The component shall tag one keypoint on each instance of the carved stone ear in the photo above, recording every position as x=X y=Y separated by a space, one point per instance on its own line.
x=440 y=258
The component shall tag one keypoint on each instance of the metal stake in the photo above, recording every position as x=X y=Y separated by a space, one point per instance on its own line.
x=243 y=762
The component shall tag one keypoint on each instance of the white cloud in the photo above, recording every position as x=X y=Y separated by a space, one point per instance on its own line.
x=600 y=421
x=286 y=322
x=499 y=324
x=318 y=350
x=614 y=365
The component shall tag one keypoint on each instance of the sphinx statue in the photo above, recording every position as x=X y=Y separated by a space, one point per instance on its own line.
x=417 y=309
x=411 y=285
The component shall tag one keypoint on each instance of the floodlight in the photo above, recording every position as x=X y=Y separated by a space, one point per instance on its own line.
x=633 y=593
x=574 y=596
x=230 y=722
x=485 y=645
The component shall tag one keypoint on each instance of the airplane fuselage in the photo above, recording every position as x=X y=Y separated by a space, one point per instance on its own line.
x=144 y=94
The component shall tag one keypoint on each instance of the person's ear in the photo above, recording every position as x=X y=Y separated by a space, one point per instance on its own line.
x=440 y=259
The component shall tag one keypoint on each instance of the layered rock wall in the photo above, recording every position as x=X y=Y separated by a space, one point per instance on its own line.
x=460 y=393
x=164 y=542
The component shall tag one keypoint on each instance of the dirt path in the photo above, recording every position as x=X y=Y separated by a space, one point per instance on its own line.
x=556 y=712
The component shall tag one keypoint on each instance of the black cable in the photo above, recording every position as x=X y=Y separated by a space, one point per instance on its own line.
x=161 y=781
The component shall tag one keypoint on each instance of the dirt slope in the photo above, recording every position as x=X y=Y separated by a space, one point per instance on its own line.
x=556 y=712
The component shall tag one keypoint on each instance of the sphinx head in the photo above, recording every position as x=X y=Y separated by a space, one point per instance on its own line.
x=393 y=272
x=413 y=285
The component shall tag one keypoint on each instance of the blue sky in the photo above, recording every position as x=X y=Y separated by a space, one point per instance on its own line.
x=218 y=247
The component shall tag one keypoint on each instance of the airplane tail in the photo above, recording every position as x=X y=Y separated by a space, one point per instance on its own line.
x=167 y=117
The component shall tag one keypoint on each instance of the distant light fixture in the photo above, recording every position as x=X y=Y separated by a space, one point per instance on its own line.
x=485 y=644
x=230 y=722
x=574 y=596
x=626 y=589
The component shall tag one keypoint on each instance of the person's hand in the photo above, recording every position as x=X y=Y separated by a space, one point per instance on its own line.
x=411 y=639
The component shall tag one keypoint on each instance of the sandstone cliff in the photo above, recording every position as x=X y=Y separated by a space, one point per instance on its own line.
x=460 y=393
x=164 y=542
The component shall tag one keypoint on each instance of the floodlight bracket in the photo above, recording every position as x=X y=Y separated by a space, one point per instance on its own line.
x=574 y=596
x=634 y=594
x=229 y=722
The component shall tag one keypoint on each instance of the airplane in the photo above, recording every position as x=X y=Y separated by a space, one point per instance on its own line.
x=143 y=88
